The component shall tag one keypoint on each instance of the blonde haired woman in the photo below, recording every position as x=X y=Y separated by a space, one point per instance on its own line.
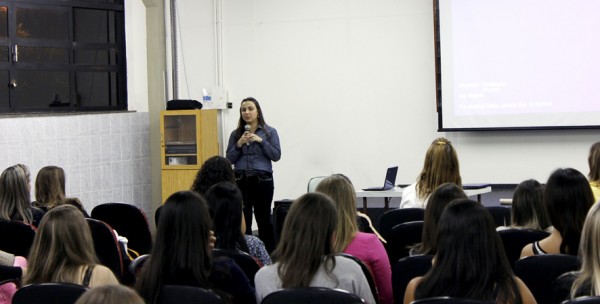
x=63 y=252
x=440 y=166
x=15 y=201
x=364 y=246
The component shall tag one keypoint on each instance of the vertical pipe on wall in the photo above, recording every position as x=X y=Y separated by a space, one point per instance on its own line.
x=174 y=49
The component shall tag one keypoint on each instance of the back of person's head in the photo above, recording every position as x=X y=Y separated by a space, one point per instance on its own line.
x=470 y=261
x=225 y=204
x=50 y=186
x=567 y=198
x=339 y=188
x=589 y=275
x=181 y=248
x=14 y=195
x=528 y=209
x=440 y=166
x=62 y=244
x=306 y=240
x=594 y=162
x=214 y=170
x=438 y=200
x=110 y=294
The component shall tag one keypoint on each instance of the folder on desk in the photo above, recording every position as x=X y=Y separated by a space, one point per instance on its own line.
x=389 y=182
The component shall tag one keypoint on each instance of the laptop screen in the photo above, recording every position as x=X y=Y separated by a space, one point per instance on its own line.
x=390 y=178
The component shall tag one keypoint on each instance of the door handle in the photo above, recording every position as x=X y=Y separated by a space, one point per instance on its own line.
x=12 y=84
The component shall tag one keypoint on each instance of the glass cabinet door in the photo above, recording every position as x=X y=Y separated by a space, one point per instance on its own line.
x=180 y=140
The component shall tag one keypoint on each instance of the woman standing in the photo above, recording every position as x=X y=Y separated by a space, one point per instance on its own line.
x=252 y=148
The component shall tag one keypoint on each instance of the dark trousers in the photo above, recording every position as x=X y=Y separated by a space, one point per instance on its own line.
x=257 y=193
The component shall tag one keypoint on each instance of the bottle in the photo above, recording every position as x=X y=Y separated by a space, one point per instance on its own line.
x=206 y=99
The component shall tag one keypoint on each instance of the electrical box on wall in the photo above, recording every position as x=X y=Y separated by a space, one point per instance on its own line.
x=219 y=98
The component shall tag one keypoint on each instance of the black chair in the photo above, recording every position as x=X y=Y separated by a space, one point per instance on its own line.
x=246 y=262
x=157 y=215
x=107 y=247
x=407 y=269
x=366 y=272
x=500 y=214
x=137 y=264
x=539 y=272
x=129 y=221
x=17 y=237
x=515 y=239
x=400 y=238
x=177 y=294
x=280 y=211
x=584 y=300
x=48 y=293
x=10 y=273
x=312 y=295
x=449 y=300
x=398 y=216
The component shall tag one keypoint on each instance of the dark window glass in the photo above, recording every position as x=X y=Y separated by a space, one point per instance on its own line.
x=3 y=21
x=4 y=54
x=94 y=26
x=96 y=57
x=43 y=54
x=96 y=89
x=4 y=90
x=40 y=89
x=42 y=24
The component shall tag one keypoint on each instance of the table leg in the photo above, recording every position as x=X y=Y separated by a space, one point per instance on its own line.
x=364 y=205
x=387 y=203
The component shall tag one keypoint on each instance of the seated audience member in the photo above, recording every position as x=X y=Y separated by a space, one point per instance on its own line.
x=63 y=252
x=15 y=201
x=181 y=254
x=75 y=202
x=214 y=170
x=528 y=211
x=225 y=202
x=594 y=175
x=110 y=294
x=440 y=166
x=439 y=199
x=470 y=262
x=365 y=246
x=49 y=187
x=586 y=281
x=567 y=198
x=305 y=255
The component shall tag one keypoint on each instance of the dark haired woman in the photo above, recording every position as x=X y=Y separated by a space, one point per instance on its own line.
x=225 y=202
x=305 y=256
x=177 y=260
x=470 y=262
x=252 y=148
x=214 y=170
x=528 y=209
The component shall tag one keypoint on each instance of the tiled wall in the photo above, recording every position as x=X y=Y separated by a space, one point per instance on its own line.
x=106 y=157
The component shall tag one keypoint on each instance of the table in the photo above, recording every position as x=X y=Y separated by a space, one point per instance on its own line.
x=387 y=195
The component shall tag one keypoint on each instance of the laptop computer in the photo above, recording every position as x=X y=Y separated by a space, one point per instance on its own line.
x=390 y=180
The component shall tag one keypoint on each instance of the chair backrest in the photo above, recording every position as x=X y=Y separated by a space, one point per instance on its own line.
x=500 y=214
x=398 y=216
x=313 y=182
x=8 y=273
x=538 y=272
x=48 y=293
x=515 y=239
x=280 y=211
x=400 y=238
x=367 y=272
x=246 y=262
x=137 y=264
x=106 y=246
x=17 y=237
x=129 y=221
x=405 y=270
x=313 y=295
x=584 y=300
x=449 y=300
x=176 y=294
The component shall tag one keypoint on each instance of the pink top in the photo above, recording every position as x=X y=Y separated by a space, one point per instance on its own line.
x=368 y=248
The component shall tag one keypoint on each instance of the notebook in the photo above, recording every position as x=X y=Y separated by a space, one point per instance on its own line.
x=390 y=180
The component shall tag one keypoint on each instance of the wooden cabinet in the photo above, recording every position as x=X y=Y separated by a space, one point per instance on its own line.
x=187 y=139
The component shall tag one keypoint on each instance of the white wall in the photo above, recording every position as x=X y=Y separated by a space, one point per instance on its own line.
x=350 y=87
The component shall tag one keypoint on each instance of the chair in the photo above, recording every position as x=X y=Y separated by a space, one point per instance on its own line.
x=312 y=295
x=280 y=211
x=48 y=293
x=17 y=237
x=400 y=238
x=407 y=269
x=246 y=262
x=398 y=216
x=449 y=300
x=538 y=272
x=500 y=214
x=157 y=215
x=584 y=300
x=313 y=182
x=106 y=246
x=129 y=221
x=176 y=294
x=515 y=239
x=367 y=272
x=137 y=264
x=8 y=273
